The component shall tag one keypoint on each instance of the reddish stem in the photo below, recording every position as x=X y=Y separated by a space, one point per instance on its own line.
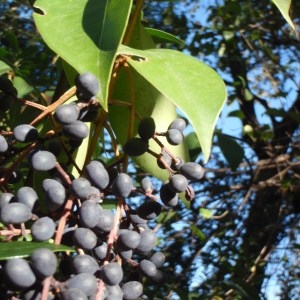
x=46 y=287
x=63 y=221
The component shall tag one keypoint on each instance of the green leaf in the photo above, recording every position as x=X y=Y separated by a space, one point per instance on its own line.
x=237 y=113
x=165 y=216
x=228 y=35
x=205 y=213
x=193 y=145
x=232 y=151
x=108 y=205
x=22 y=87
x=276 y=112
x=140 y=38
x=12 y=40
x=198 y=232
x=23 y=249
x=160 y=36
x=284 y=8
x=188 y=83
x=86 y=34
x=4 y=67
x=79 y=155
x=248 y=95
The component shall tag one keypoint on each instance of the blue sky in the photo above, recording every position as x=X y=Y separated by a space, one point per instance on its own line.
x=233 y=126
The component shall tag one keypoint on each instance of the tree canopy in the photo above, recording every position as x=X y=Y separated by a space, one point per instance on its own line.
x=229 y=70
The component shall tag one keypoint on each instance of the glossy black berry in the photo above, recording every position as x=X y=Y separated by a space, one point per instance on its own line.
x=135 y=146
x=146 y=128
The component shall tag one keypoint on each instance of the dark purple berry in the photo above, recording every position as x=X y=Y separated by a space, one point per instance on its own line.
x=87 y=86
x=178 y=183
x=112 y=273
x=178 y=124
x=76 y=130
x=43 y=262
x=19 y=273
x=122 y=185
x=192 y=171
x=132 y=290
x=42 y=160
x=174 y=136
x=97 y=174
x=67 y=113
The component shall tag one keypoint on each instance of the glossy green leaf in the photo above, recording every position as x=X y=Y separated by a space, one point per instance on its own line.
x=23 y=249
x=86 y=34
x=284 y=8
x=231 y=149
x=160 y=36
x=188 y=83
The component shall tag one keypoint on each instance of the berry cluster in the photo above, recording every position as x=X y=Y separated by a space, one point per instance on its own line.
x=114 y=250
x=73 y=116
x=180 y=173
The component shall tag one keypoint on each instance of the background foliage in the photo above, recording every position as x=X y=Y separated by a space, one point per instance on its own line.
x=241 y=234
